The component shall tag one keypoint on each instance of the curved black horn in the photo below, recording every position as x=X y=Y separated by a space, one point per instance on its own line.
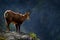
x=29 y=11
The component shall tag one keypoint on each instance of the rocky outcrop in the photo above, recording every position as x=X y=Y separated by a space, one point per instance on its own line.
x=17 y=36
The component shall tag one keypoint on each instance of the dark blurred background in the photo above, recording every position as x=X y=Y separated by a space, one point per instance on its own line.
x=44 y=18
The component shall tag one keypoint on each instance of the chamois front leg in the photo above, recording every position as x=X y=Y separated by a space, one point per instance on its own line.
x=16 y=27
x=19 y=28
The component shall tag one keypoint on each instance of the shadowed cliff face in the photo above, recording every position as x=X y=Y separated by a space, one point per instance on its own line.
x=44 y=18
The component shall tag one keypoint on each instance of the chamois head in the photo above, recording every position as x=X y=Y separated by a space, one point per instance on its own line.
x=27 y=15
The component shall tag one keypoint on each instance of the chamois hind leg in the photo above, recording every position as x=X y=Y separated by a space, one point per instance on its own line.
x=7 y=25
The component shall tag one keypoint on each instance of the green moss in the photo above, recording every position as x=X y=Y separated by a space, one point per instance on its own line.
x=33 y=35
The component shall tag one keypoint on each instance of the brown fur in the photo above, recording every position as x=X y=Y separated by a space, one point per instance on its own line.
x=16 y=18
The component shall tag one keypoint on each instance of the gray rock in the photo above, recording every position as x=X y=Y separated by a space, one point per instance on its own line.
x=10 y=38
x=16 y=36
